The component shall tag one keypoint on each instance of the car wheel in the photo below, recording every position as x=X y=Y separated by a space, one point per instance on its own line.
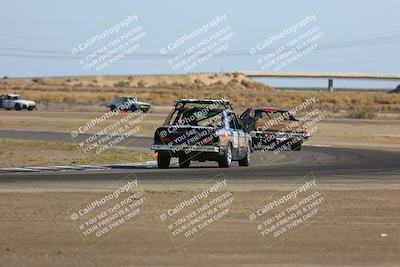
x=133 y=108
x=163 y=160
x=145 y=110
x=184 y=162
x=17 y=107
x=226 y=159
x=112 y=108
x=246 y=160
x=30 y=108
x=296 y=146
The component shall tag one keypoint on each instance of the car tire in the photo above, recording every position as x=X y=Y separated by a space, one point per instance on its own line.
x=112 y=108
x=133 y=108
x=184 y=162
x=226 y=159
x=163 y=160
x=145 y=110
x=17 y=107
x=245 y=161
x=296 y=146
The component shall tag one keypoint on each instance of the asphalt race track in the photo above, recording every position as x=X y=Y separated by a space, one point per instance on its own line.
x=142 y=142
x=329 y=165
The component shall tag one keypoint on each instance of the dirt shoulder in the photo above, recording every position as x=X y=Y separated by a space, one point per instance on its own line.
x=363 y=229
x=371 y=134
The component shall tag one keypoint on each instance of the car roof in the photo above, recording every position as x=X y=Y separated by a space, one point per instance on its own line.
x=269 y=109
x=206 y=101
x=13 y=95
x=225 y=103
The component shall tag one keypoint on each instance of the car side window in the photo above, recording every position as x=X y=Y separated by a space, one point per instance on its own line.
x=233 y=121
x=237 y=122
x=258 y=114
x=245 y=114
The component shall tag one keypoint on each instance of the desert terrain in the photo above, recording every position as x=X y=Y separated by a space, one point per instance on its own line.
x=353 y=155
x=362 y=230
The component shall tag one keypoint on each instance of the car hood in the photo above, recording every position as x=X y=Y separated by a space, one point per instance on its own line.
x=25 y=102
x=285 y=126
x=143 y=103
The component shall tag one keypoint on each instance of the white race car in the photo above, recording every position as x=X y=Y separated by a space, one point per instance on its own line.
x=13 y=101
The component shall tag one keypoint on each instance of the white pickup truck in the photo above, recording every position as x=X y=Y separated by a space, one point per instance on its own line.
x=13 y=101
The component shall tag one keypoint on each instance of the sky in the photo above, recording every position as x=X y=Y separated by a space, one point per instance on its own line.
x=36 y=37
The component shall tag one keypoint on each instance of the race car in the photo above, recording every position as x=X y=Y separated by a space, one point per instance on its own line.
x=202 y=130
x=14 y=101
x=273 y=128
x=128 y=103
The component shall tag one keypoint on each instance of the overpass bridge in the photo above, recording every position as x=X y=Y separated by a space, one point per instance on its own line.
x=323 y=75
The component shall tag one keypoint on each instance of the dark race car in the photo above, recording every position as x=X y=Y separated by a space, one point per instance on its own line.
x=202 y=130
x=274 y=128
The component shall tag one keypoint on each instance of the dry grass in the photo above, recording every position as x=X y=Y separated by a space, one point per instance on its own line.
x=14 y=154
x=91 y=93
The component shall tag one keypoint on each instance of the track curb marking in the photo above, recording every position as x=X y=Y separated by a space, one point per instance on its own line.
x=142 y=165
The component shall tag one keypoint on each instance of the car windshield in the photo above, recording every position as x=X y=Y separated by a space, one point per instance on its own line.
x=269 y=114
x=195 y=117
